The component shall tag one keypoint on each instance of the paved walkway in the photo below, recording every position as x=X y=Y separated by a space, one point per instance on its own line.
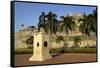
x=22 y=60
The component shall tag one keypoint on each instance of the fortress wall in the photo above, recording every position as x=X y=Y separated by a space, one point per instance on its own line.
x=84 y=43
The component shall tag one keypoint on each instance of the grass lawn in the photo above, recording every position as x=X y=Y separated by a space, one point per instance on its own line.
x=24 y=51
x=58 y=50
x=80 y=50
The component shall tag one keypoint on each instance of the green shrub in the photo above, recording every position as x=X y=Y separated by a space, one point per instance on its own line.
x=80 y=50
x=30 y=40
x=24 y=51
x=30 y=47
x=77 y=40
x=57 y=50
x=73 y=50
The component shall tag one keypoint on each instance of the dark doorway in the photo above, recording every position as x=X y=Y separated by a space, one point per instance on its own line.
x=45 y=43
x=37 y=44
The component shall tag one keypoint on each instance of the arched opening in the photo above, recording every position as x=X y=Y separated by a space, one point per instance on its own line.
x=37 y=44
x=45 y=43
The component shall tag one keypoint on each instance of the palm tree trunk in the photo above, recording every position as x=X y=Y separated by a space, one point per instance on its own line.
x=60 y=43
x=67 y=40
x=50 y=42
x=87 y=39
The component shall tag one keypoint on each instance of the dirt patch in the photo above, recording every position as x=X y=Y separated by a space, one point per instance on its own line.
x=23 y=60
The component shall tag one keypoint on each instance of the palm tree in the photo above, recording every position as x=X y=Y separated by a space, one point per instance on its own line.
x=51 y=24
x=89 y=23
x=77 y=40
x=59 y=39
x=84 y=26
x=67 y=24
x=92 y=19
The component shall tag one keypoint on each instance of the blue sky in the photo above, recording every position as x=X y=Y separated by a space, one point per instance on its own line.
x=28 y=13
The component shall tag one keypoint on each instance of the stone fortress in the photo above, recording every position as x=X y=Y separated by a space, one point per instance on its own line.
x=25 y=33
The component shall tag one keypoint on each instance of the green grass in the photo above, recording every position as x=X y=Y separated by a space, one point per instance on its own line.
x=58 y=50
x=24 y=51
x=80 y=50
x=73 y=50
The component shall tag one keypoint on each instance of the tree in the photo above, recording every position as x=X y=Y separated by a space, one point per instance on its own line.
x=84 y=26
x=89 y=23
x=59 y=39
x=68 y=24
x=51 y=24
x=77 y=40
x=92 y=19
x=30 y=40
